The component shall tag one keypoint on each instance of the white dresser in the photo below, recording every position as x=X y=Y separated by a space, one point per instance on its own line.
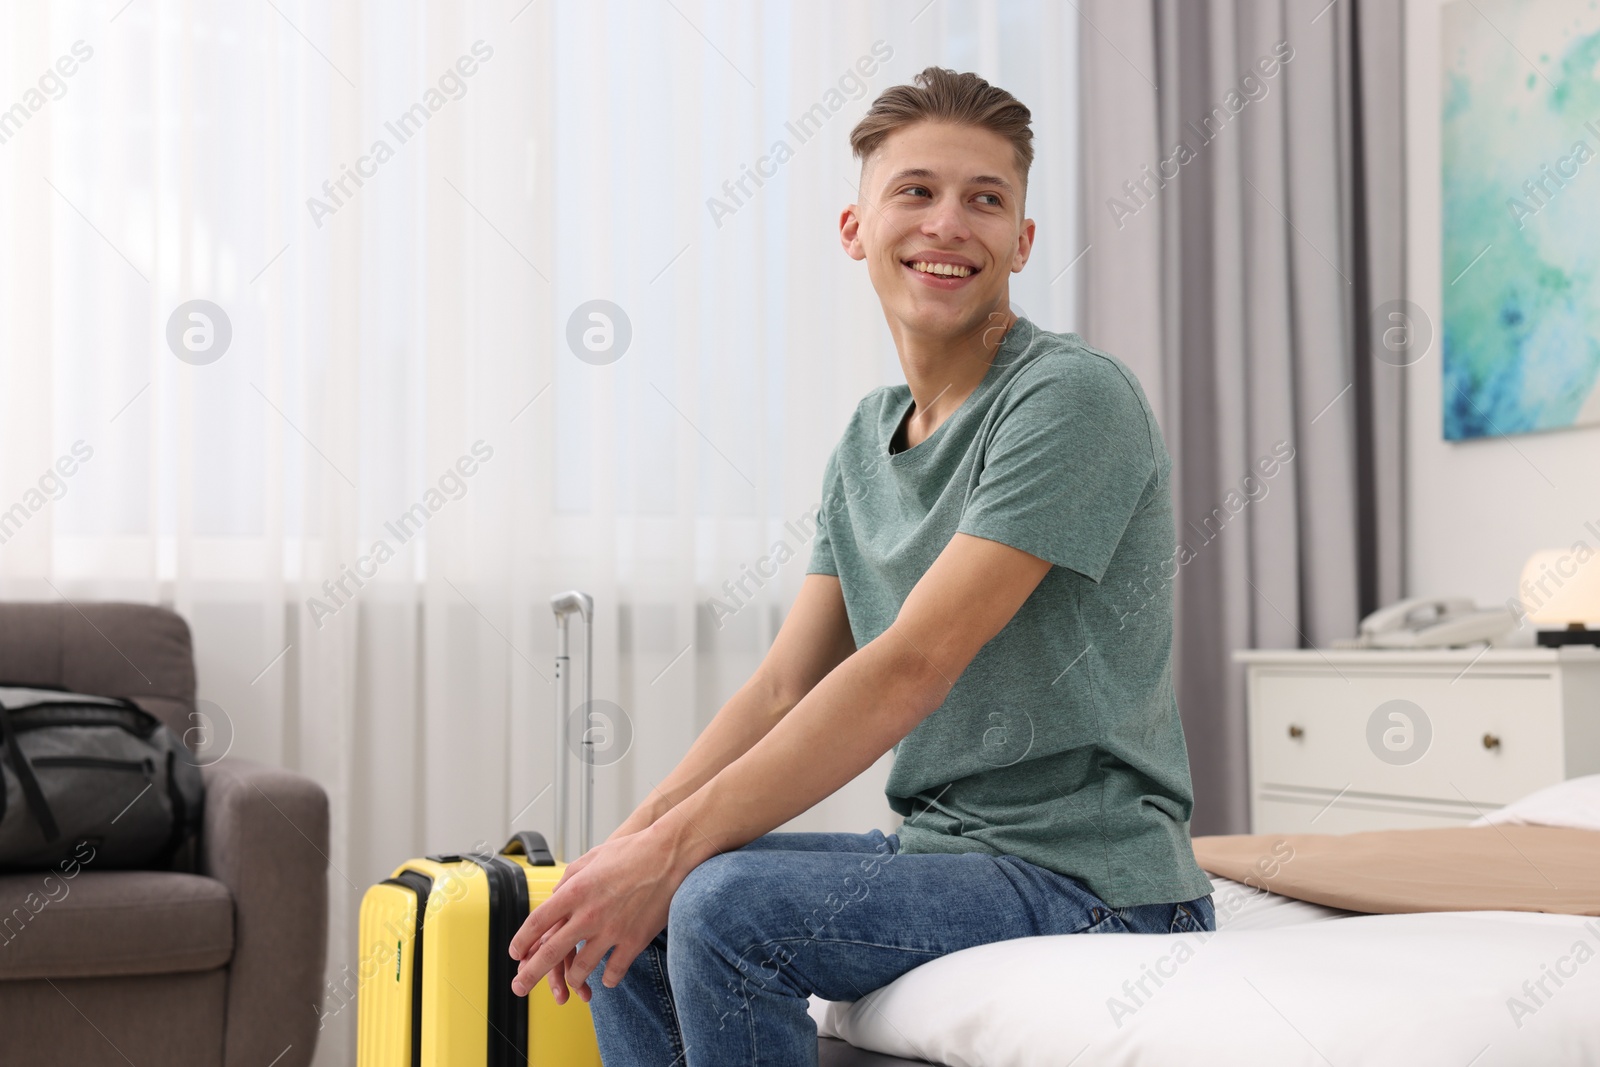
x=1342 y=741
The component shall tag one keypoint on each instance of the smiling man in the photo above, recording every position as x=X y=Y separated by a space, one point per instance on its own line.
x=984 y=528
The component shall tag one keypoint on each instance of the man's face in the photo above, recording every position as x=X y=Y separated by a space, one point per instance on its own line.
x=940 y=226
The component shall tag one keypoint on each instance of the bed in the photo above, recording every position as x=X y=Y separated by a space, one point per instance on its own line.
x=1282 y=981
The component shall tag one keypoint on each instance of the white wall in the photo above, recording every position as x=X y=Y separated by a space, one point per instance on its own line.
x=1477 y=509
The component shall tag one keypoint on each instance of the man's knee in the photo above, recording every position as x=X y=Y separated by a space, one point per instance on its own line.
x=710 y=893
x=728 y=908
x=724 y=938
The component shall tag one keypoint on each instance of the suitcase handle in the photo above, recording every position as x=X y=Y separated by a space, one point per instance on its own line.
x=532 y=845
x=564 y=605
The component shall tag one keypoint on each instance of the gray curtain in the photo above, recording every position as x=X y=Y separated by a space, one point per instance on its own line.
x=1243 y=204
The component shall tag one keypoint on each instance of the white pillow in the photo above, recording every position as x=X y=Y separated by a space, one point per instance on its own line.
x=1374 y=991
x=1574 y=803
x=1245 y=907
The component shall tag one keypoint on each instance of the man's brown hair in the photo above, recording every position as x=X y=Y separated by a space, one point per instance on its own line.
x=942 y=95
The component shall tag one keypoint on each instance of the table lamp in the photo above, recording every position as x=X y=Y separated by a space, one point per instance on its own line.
x=1559 y=588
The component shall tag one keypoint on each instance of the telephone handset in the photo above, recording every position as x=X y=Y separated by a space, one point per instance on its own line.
x=1431 y=622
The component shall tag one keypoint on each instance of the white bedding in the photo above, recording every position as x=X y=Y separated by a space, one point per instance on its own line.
x=1281 y=982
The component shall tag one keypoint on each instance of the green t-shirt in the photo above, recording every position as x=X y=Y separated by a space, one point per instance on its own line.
x=1061 y=742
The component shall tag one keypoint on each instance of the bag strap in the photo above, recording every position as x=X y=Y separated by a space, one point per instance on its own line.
x=26 y=778
x=532 y=845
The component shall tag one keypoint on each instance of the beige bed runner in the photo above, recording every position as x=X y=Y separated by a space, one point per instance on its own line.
x=1460 y=868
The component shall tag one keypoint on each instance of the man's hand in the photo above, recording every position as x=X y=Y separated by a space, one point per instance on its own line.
x=616 y=895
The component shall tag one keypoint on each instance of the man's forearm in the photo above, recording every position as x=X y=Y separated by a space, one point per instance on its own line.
x=839 y=729
x=745 y=719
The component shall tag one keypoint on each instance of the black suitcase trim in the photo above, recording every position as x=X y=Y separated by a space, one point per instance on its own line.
x=508 y=1013
x=421 y=885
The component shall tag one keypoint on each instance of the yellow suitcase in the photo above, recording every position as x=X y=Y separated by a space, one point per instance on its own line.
x=435 y=978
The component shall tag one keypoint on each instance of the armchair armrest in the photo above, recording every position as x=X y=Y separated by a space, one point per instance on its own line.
x=265 y=837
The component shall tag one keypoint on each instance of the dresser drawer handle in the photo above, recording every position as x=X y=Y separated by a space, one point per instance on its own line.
x=1295 y=731
x=1490 y=741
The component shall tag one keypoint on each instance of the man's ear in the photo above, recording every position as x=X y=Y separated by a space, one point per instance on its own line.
x=850 y=233
x=1024 y=247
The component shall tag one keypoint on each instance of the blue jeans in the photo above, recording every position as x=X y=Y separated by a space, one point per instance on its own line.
x=752 y=933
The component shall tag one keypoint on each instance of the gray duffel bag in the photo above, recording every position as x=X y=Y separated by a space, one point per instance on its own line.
x=92 y=770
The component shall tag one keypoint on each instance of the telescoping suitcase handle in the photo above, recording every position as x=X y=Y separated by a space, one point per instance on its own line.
x=564 y=605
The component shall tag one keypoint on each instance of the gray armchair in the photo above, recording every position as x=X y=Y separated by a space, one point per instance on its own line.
x=222 y=968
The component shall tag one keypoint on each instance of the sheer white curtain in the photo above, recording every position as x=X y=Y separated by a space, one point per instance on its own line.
x=364 y=503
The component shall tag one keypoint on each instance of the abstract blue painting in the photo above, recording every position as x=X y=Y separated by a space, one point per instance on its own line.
x=1520 y=190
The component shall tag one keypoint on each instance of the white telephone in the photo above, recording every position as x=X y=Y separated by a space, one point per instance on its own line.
x=1431 y=622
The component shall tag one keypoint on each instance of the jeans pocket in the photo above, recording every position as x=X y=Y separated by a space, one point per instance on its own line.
x=1185 y=921
x=1104 y=920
